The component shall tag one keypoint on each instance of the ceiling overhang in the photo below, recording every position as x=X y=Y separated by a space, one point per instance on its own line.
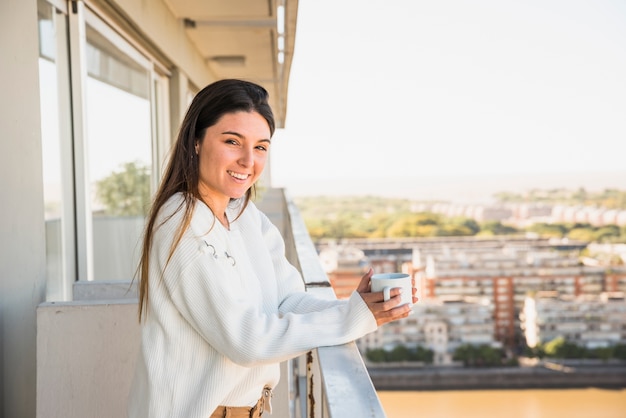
x=246 y=39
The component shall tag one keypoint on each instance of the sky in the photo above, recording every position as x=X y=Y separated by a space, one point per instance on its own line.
x=410 y=97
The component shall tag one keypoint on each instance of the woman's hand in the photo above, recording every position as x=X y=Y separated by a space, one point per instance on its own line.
x=384 y=311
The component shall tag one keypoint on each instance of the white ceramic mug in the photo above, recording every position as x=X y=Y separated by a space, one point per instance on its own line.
x=384 y=282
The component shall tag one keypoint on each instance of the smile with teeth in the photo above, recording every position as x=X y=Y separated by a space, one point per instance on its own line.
x=238 y=175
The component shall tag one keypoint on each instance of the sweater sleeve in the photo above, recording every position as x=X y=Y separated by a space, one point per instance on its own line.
x=235 y=321
x=289 y=282
x=235 y=325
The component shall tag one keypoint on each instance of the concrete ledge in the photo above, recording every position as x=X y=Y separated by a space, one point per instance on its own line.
x=105 y=290
x=86 y=354
x=346 y=382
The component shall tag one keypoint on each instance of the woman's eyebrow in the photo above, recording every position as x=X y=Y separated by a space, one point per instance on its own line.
x=237 y=134
x=232 y=133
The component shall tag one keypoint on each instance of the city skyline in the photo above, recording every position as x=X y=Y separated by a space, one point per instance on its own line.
x=409 y=92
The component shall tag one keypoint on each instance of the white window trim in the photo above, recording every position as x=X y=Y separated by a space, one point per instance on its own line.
x=78 y=65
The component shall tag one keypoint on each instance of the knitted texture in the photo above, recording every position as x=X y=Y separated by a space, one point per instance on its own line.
x=224 y=312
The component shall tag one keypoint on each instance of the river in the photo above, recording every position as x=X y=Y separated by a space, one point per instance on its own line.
x=528 y=403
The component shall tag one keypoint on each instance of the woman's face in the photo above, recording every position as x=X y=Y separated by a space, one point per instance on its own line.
x=232 y=156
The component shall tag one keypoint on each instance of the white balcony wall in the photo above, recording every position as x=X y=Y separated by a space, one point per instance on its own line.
x=86 y=354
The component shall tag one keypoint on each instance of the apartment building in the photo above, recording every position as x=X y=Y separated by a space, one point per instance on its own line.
x=441 y=325
x=590 y=321
x=503 y=270
x=523 y=214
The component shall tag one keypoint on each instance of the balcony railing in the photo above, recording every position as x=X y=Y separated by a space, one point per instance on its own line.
x=332 y=382
x=86 y=349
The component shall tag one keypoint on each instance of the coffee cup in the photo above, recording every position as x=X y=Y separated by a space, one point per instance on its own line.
x=384 y=282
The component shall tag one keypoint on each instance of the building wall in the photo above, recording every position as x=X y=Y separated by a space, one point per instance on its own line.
x=22 y=244
x=591 y=321
x=441 y=325
x=22 y=227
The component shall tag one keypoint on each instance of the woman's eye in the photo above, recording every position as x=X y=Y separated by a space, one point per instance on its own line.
x=231 y=141
x=262 y=147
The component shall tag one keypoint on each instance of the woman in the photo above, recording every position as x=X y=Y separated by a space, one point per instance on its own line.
x=220 y=305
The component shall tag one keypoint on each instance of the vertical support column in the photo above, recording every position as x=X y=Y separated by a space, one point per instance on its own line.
x=281 y=398
x=301 y=401
x=22 y=228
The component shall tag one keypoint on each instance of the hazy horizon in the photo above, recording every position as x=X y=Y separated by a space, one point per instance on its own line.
x=470 y=188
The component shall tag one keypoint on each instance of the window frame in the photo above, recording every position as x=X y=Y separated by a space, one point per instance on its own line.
x=60 y=287
x=78 y=244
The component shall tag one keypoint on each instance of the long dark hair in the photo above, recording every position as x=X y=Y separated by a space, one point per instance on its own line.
x=182 y=173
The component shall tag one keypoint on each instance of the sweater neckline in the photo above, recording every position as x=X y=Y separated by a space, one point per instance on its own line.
x=231 y=213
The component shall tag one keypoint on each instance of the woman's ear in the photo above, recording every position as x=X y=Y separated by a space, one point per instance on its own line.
x=197 y=146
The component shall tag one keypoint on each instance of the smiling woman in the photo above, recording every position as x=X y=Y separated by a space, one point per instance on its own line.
x=219 y=303
x=232 y=155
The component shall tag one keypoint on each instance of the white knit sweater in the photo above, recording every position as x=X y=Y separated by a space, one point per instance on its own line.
x=224 y=312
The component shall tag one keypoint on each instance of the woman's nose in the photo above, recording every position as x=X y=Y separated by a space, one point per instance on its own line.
x=246 y=159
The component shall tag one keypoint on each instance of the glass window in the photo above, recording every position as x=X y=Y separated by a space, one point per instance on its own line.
x=101 y=123
x=56 y=140
x=119 y=151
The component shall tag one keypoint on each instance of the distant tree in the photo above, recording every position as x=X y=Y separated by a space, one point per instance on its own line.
x=377 y=355
x=496 y=228
x=423 y=354
x=404 y=226
x=376 y=217
x=606 y=233
x=423 y=224
x=340 y=228
x=602 y=353
x=318 y=228
x=561 y=348
x=613 y=199
x=619 y=351
x=456 y=227
x=470 y=224
x=466 y=354
x=125 y=192
x=608 y=198
x=412 y=225
x=490 y=356
x=581 y=234
x=552 y=347
x=547 y=230
x=399 y=353
x=478 y=356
